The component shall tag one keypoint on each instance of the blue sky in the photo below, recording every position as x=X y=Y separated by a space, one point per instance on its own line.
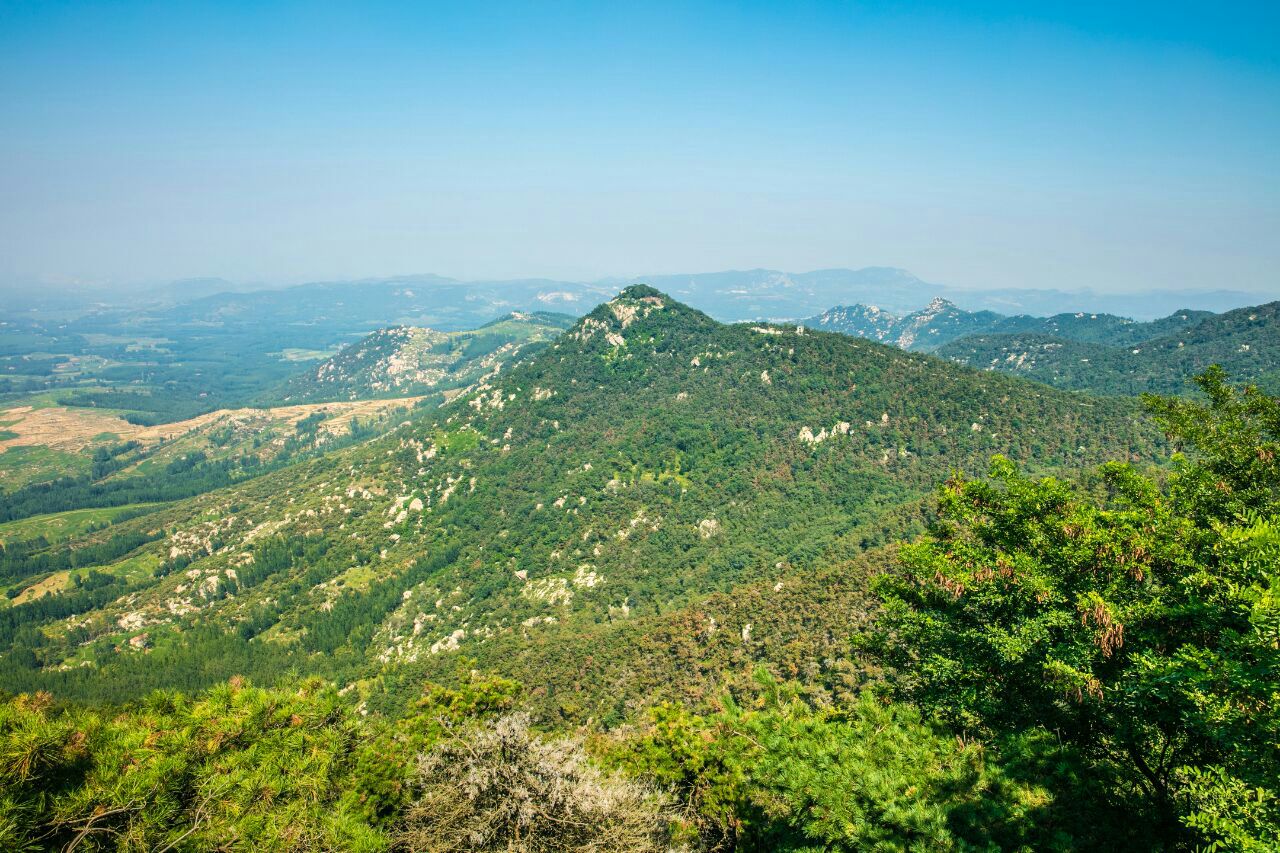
x=977 y=144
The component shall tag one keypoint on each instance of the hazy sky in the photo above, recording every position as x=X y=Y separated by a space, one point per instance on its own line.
x=977 y=144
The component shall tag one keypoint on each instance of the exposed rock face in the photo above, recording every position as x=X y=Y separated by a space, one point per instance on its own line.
x=408 y=360
x=927 y=329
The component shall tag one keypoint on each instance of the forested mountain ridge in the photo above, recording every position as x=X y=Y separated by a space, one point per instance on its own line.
x=646 y=458
x=162 y=360
x=941 y=322
x=407 y=360
x=1246 y=342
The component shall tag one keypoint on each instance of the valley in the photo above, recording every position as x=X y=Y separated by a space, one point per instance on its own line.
x=43 y=442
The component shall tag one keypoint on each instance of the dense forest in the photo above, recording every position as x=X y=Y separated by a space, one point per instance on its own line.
x=1246 y=342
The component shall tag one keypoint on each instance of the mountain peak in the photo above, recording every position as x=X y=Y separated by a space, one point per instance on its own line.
x=926 y=329
x=638 y=305
x=640 y=301
x=642 y=291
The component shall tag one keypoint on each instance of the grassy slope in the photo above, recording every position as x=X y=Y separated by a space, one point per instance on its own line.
x=61 y=526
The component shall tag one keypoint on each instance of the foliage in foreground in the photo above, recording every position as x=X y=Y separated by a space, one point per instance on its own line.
x=784 y=776
x=1141 y=626
x=236 y=768
x=242 y=768
x=239 y=767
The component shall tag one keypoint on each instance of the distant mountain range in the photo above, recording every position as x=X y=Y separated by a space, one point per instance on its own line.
x=1102 y=353
x=942 y=322
x=1246 y=342
x=730 y=296
x=770 y=294
x=431 y=301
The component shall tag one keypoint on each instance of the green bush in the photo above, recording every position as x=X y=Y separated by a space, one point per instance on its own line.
x=1140 y=626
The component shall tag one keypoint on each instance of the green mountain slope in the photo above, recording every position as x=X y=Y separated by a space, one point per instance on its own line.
x=407 y=360
x=1106 y=329
x=646 y=459
x=941 y=322
x=1246 y=342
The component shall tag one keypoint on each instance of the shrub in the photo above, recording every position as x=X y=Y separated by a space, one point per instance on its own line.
x=501 y=787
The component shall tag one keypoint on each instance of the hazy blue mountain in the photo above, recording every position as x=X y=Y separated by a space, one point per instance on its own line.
x=771 y=294
x=1144 y=305
x=450 y=304
x=427 y=300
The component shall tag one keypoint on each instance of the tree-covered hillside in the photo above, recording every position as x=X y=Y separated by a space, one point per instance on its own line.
x=1245 y=342
x=1082 y=664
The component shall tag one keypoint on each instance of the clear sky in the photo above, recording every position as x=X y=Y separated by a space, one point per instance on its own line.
x=1071 y=144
